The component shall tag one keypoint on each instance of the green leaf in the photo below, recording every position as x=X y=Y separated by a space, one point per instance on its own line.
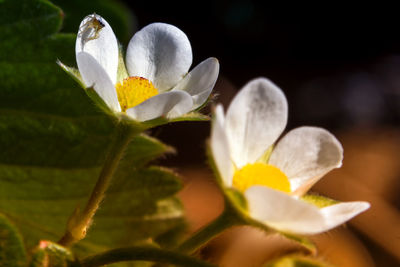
x=12 y=250
x=52 y=254
x=297 y=261
x=148 y=208
x=145 y=253
x=54 y=141
x=173 y=236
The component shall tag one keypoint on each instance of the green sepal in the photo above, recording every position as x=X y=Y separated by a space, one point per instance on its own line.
x=191 y=116
x=73 y=72
x=318 y=200
x=122 y=73
x=213 y=166
x=51 y=254
x=302 y=241
x=297 y=261
x=135 y=125
x=90 y=92
x=12 y=250
x=211 y=98
x=236 y=198
x=98 y=101
x=267 y=154
x=235 y=201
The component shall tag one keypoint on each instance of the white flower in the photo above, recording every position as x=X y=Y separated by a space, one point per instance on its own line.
x=274 y=177
x=158 y=59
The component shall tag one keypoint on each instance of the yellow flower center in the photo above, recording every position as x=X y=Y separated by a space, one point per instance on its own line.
x=261 y=174
x=133 y=91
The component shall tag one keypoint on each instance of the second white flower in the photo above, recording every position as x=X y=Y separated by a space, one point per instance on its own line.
x=273 y=178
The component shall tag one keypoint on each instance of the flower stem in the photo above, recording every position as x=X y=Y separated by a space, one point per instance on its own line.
x=142 y=254
x=79 y=222
x=228 y=218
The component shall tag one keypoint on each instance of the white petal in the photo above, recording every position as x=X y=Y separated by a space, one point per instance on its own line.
x=291 y=215
x=95 y=76
x=255 y=119
x=283 y=212
x=160 y=53
x=170 y=104
x=102 y=46
x=340 y=213
x=305 y=155
x=200 y=81
x=220 y=147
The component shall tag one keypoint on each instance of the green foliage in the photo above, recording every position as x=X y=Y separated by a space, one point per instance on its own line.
x=54 y=141
x=12 y=251
x=52 y=254
x=297 y=261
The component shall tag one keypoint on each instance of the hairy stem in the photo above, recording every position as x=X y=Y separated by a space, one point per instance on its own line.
x=142 y=254
x=79 y=222
x=227 y=219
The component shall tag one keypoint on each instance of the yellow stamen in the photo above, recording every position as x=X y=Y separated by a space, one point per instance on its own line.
x=133 y=91
x=261 y=174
